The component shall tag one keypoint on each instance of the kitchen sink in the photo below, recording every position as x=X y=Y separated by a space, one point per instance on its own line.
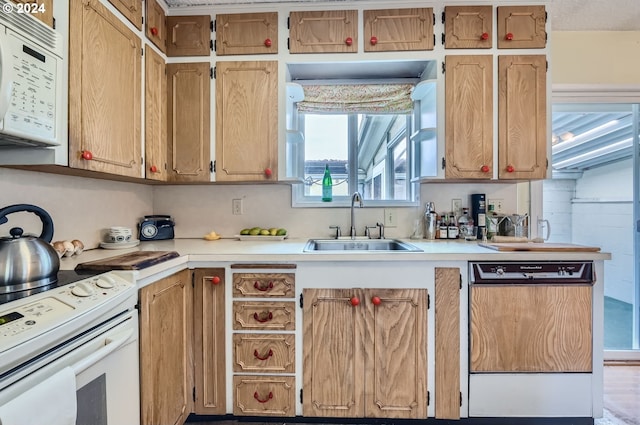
x=386 y=245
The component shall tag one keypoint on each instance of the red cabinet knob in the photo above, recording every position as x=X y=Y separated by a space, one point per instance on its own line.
x=267 y=42
x=267 y=172
x=153 y=169
x=215 y=280
x=509 y=36
x=348 y=41
x=87 y=155
x=510 y=169
x=485 y=36
x=484 y=169
x=374 y=40
x=154 y=31
x=376 y=300
x=354 y=301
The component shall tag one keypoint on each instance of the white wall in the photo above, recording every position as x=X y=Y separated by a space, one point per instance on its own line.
x=558 y=209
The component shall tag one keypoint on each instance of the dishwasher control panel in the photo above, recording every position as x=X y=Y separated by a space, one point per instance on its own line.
x=532 y=272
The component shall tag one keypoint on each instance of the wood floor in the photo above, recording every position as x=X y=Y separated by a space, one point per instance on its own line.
x=622 y=394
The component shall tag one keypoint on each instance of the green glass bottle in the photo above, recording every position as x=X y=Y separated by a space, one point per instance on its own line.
x=327 y=185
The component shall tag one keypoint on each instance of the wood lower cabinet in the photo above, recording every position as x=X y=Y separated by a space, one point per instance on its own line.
x=398 y=29
x=522 y=27
x=531 y=328
x=468 y=27
x=522 y=117
x=166 y=356
x=247 y=121
x=188 y=123
x=365 y=353
x=327 y=31
x=105 y=66
x=469 y=116
x=44 y=9
x=155 y=129
x=247 y=33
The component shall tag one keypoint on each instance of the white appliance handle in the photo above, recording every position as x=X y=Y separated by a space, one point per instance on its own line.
x=6 y=83
x=110 y=345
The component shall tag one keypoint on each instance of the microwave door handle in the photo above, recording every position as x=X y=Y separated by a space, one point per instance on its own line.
x=6 y=83
x=110 y=345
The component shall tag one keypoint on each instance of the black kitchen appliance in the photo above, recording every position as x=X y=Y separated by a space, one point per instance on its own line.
x=156 y=227
x=478 y=211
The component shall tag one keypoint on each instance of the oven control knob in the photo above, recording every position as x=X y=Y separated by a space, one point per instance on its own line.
x=105 y=282
x=81 y=289
x=499 y=271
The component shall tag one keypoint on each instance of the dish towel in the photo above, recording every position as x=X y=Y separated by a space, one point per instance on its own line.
x=51 y=402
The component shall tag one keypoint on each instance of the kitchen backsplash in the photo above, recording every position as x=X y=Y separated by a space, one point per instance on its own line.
x=81 y=208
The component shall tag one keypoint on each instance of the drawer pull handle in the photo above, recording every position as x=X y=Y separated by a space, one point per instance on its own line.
x=262 y=318
x=257 y=397
x=263 y=288
x=259 y=357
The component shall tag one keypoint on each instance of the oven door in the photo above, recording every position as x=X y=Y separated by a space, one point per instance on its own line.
x=105 y=362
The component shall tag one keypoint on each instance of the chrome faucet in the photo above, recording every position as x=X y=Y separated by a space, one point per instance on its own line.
x=356 y=197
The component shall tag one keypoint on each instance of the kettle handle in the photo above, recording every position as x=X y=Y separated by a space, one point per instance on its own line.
x=47 y=222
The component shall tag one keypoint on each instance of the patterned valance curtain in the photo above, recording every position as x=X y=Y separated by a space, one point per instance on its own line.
x=357 y=98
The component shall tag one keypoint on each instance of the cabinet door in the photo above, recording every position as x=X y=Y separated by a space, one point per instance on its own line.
x=188 y=124
x=522 y=27
x=522 y=117
x=156 y=25
x=256 y=395
x=468 y=27
x=329 y=31
x=188 y=35
x=469 y=116
x=155 y=130
x=395 y=353
x=247 y=121
x=44 y=9
x=333 y=357
x=531 y=328
x=104 y=92
x=209 y=343
x=398 y=29
x=247 y=33
x=447 y=338
x=166 y=363
x=265 y=353
x=131 y=9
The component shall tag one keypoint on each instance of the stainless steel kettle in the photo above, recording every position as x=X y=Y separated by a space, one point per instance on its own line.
x=27 y=261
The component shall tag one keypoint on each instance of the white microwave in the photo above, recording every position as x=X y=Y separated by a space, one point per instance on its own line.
x=32 y=91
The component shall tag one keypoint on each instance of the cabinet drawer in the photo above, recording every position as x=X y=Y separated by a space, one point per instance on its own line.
x=275 y=285
x=264 y=395
x=272 y=316
x=272 y=353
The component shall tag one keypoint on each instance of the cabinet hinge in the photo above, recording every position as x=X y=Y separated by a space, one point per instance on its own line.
x=547 y=65
x=434 y=20
x=212 y=166
x=444 y=65
x=211 y=45
x=444 y=162
x=215 y=45
x=212 y=26
x=428 y=301
x=288 y=44
x=194 y=394
x=54 y=23
x=460 y=398
x=443 y=38
x=289 y=22
x=301 y=301
x=139 y=307
x=443 y=20
x=434 y=39
x=546 y=16
x=547 y=163
x=193 y=282
x=142 y=160
x=142 y=51
x=142 y=20
x=212 y=73
x=461 y=281
x=428 y=398
x=301 y=396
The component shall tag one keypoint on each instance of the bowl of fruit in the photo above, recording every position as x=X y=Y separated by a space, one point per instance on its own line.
x=262 y=233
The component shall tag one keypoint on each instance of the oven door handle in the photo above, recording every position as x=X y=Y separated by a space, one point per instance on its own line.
x=110 y=345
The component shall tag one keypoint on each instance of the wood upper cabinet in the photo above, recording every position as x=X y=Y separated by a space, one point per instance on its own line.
x=155 y=130
x=521 y=27
x=131 y=9
x=44 y=8
x=188 y=35
x=247 y=121
x=188 y=124
x=105 y=59
x=166 y=358
x=329 y=31
x=522 y=117
x=530 y=328
x=468 y=27
x=209 y=341
x=398 y=29
x=469 y=116
x=156 y=25
x=377 y=350
x=247 y=33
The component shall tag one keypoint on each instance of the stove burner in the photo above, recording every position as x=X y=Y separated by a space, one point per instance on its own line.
x=64 y=277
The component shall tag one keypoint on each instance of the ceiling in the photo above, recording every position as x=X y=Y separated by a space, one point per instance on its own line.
x=565 y=15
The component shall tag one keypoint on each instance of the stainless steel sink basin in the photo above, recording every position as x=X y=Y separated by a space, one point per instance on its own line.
x=387 y=245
